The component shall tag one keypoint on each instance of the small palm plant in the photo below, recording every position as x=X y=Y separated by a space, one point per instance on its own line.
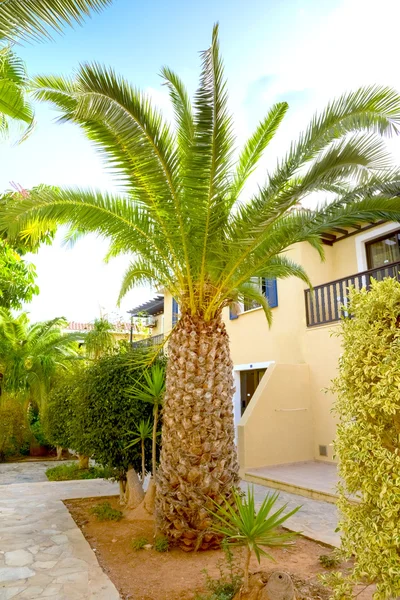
x=152 y=390
x=143 y=432
x=242 y=525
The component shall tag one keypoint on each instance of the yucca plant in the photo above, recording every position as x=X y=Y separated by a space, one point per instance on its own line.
x=185 y=218
x=143 y=432
x=242 y=524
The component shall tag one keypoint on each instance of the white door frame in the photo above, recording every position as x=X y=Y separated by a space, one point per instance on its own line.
x=236 y=376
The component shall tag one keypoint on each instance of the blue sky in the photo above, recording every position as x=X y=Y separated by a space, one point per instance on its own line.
x=303 y=51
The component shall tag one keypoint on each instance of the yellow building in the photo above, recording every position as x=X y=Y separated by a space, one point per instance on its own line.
x=282 y=406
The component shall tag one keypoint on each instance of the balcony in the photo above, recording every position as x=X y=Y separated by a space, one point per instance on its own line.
x=328 y=303
x=155 y=340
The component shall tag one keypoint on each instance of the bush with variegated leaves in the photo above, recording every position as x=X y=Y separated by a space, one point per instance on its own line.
x=368 y=441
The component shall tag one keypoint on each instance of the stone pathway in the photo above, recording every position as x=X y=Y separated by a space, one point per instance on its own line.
x=316 y=520
x=43 y=554
x=26 y=471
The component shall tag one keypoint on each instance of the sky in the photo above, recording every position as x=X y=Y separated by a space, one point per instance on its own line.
x=301 y=51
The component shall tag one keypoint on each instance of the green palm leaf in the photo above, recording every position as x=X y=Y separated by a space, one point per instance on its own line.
x=14 y=105
x=33 y=19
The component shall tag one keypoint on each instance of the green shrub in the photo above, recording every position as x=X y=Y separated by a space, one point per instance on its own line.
x=230 y=578
x=105 y=413
x=139 y=543
x=368 y=440
x=329 y=561
x=60 y=424
x=14 y=428
x=36 y=427
x=105 y=512
x=161 y=544
x=68 y=472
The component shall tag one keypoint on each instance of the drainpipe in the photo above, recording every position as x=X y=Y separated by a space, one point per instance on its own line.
x=131 y=334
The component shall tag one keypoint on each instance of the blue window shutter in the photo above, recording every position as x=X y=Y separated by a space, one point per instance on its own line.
x=175 y=312
x=232 y=314
x=271 y=292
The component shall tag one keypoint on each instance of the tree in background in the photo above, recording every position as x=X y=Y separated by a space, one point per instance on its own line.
x=61 y=426
x=190 y=229
x=30 y=355
x=17 y=278
x=99 y=340
x=368 y=440
x=14 y=429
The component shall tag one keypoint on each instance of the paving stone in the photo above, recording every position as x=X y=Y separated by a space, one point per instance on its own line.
x=41 y=579
x=33 y=591
x=54 y=550
x=44 y=564
x=15 y=573
x=52 y=590
x=79 y=578
x=18 y=558
x=59 y=539
x=8 y=593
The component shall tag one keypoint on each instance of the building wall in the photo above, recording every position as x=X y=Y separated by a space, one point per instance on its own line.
x=279 y=417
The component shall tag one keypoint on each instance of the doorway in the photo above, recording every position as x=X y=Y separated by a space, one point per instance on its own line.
x=249 y=381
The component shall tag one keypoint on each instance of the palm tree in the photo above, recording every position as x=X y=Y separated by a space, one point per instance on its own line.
x=190 y=228
x=34 y=18
x=99 y=340
x=31 y=354
x=143 y=432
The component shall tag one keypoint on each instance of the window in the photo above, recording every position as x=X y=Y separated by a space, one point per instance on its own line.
x=384 y=251
x=175 y=312
x=268 y=288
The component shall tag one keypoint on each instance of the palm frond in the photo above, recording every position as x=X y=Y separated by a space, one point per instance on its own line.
x=183 y=112
x=255 y=146
x=210 y=158
x=34 y=19
x=14 y=105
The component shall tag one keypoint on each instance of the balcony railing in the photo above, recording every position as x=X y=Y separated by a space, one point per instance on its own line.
x=155 y=340
x=328 y=303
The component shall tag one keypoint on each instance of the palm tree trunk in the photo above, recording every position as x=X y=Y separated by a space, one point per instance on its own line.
x=133 y=490
x=143 y=462
x=154 y=446
x=83 y=461
x=198 y=454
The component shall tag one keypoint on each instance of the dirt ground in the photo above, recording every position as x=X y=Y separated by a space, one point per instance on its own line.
x=173 y=575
